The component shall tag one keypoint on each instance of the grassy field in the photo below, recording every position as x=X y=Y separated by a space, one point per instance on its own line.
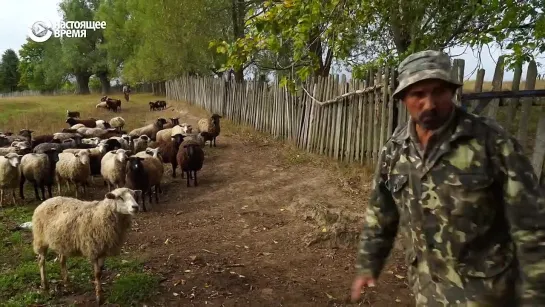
x=127 y=281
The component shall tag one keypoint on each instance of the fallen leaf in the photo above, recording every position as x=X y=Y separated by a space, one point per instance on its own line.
x=329 y=296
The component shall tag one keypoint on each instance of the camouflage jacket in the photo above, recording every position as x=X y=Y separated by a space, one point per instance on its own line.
x=472 y=206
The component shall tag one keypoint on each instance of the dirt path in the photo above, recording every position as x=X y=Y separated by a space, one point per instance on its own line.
x=265 y=227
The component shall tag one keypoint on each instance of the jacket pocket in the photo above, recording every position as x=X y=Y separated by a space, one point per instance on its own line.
x=485 y=265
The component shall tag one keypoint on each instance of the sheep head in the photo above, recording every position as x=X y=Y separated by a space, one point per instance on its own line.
x=83 y=157
x=125 y=200
x=13 y=159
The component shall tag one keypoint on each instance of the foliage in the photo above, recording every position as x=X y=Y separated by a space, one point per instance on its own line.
x=9 y=75
x=94 y=83
x=370 y=33
x=153 y=41
x=39 y=65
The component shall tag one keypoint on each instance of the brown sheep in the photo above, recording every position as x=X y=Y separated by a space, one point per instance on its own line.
x=169 y=150
x=89 y=123
x=211 y=126
x=190 y=157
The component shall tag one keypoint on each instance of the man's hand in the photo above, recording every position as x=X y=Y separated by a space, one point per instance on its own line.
x=359 y=283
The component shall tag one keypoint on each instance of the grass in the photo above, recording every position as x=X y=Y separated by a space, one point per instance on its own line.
x=126 y=281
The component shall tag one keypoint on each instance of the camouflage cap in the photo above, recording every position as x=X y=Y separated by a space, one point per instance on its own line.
x=428 y=64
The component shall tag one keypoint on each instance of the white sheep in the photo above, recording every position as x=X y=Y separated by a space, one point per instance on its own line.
x=117 y=122
x=91 y=141
x=9 y=175
x=102 y=104
x=166 y=134
x=149 y=130
x=113 y=168
x=92 y=132
x=92 y=229
x=101 y=124
x=77 y=126
x=73 y=168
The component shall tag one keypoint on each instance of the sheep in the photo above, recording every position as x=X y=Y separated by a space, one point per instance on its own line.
x=17 y=147
x=125 y=141
x=169 y=151
x=149 y=130
x=113 y=168
x=166 y=134
x=117 y=122
x=24 y=135
x=110 y=133
x=39 y=168
x=141 y=143
x=74 y=114
x=91 y=141
x=102 y=105
x=212 y=126
x=96 y=154
x=173 y=122
x=68 y=135
x=92 y=229
x=112 y=105
x=57 y=144
x=89 y=123
x=10 y=175
x=137 y=177
x=73 y=168
x=102 y=124
x=40 y=139
x=153 y=162
x=196 y=137
x=77 y=126
x=190 y=157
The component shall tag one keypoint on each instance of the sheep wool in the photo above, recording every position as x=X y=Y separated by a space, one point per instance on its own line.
x=73 y=168
x=9 y=175
x=113 y=168
x=93 y=229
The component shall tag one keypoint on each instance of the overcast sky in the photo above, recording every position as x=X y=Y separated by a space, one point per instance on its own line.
x=16 y=16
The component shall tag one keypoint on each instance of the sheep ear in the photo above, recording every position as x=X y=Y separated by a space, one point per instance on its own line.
x=110 y=195
x=137 y=193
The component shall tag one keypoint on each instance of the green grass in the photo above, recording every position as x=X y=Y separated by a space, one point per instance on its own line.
x=126 y=281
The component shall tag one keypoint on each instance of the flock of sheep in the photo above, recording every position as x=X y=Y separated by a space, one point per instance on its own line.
x=130 y=164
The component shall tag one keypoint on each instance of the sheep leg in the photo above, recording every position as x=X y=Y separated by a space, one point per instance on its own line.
x=214 y=141
x=188 y=177
x=1 y=198
x=195 y=183
x=144 y=200
x=101 y=262
x=156 y=194
x=41 y=263
x=36 y=191
x=64 y=270
x=150 y=192
x=76 y=188
x=98 y=286
x=13 y=197
x=21 y=185
x=59 y=186
x=174 y=166
x=49 y=188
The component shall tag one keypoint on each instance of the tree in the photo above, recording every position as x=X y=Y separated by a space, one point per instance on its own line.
x=374 y=32
x=82 y=56
x=9 y=75
x=39 y=65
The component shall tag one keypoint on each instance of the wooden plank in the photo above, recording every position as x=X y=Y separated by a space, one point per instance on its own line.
x=370 y=121
x=350 y=127
x=497 y=81
x=384 y=114
x=376 y=117
x=359 y=121
x=513 y=103
x=539 y=149
x=531 y=76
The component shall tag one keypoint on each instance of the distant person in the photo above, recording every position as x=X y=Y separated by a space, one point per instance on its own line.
x=126 y=91
x=463 y=196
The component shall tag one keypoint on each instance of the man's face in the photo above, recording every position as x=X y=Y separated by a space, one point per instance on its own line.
x=429 y=103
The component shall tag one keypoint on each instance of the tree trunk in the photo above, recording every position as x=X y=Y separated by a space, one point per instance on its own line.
x=104 y=82
x=238 y=15
x=82 y=80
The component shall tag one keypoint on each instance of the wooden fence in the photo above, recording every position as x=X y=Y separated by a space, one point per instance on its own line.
x=352 y=127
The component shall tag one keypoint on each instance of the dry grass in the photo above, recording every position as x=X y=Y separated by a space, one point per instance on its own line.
x=47 y=114
x=469 y=86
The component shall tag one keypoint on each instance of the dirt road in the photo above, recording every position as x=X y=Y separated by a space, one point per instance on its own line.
x=267 y=226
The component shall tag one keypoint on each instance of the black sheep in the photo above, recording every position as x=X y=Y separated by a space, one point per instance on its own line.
x=137 y=178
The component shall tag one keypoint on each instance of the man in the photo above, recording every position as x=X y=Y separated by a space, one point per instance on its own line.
x=126 y=91
x=464 y=197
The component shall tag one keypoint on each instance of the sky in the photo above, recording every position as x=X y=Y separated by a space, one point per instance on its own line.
x=16 y=16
